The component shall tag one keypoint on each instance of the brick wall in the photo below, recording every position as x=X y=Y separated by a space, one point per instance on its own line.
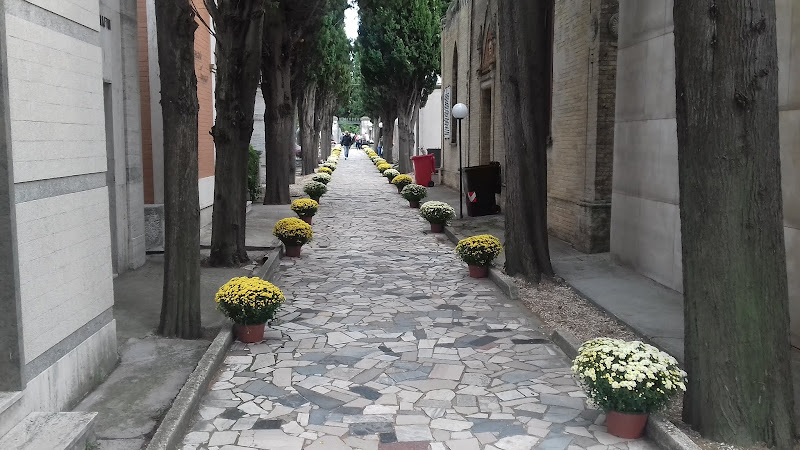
x=205 y=92
x=144 y=92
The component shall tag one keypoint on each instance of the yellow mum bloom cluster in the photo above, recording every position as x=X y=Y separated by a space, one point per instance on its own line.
x=293 y=231
x=249 y=301
x=479 y=250
x=305 y=207
x=325 y=170
x=627 y=377
x=370 y=152
x=384 y=166
x=402 y=180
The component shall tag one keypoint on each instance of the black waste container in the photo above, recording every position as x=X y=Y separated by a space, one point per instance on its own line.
x=437 y=153
x=482 y=183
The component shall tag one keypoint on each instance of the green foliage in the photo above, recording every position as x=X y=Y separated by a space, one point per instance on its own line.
x=253 y=179
x=399 y=49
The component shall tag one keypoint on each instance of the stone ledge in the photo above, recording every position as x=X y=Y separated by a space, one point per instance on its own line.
x=56 y=431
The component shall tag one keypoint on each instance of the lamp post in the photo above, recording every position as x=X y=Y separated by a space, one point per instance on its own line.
x=460 y=112
x=380 y=143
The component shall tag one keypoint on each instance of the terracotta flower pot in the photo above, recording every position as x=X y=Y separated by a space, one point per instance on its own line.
x=316 y=199
x=437 y=228
x=399 y=188
x=307 y=219
x=293 y=251
x=478 y=271
x=249 y=334
x=413 y=204
x=626 y=426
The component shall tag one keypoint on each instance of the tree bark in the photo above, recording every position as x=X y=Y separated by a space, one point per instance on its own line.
x=327 y=126
x=388 y=135
x=180 y=306
x=525 y=81
x=238 y=27
x=737 y=349
x=279 y=116
x=405 y=136
x=307 y=108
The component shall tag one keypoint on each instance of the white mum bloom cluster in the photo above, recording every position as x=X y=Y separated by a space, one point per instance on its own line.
x=628 y=377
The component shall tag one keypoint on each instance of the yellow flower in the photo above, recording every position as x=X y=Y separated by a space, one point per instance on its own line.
x=325 y=170
x=402 y=180
x=305 y=207
x=293 y=231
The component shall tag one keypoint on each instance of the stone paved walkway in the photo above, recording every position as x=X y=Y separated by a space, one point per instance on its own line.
x=385 y=343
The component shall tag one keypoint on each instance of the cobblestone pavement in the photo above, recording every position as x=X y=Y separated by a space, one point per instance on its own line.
x=385 y=343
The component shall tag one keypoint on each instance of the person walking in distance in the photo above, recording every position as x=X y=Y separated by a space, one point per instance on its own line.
x=347 y=142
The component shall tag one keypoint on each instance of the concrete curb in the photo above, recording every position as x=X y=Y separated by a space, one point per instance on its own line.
x=170 y=431
x=666 y=435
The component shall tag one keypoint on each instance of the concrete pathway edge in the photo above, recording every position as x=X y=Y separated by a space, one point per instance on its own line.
x=178 y=419
x=661 y=431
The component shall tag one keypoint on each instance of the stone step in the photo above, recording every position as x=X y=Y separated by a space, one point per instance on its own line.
x=51 y=431
x=10 y=410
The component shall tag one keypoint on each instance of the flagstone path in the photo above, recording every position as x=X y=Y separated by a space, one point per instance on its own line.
x=385 y=343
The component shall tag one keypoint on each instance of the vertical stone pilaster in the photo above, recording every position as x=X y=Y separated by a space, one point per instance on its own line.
x=11 y=347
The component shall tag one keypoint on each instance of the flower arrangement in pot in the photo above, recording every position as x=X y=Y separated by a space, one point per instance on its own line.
x=628 y=380
x=390 y=174
x=315 y=190
x=294 y=233
x=401 y=181
x=478 y=252
x=331 y=166
x=305 y=208
x=414 y=193
x=324 y=170
x=322 y=177
x=380 y=161
x=383 y=167
x=438 y=214
x=250 y=303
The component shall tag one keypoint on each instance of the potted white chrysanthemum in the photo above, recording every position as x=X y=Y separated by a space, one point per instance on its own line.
x=438 y=214
x=628 y=380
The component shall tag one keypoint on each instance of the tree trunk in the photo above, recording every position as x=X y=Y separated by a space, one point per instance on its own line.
x=307 y=105
x=180 y=306
x=525 y=81
x=388 y=136
x=405 y=135
x=320 y=107
x=238 y=29
x=737 y=347
x=292 y=167
x=279 y=116
x=327 y=126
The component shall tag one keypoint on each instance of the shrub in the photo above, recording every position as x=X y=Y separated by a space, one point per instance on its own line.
x=253 y=177
x=305 y=207
x=315 y=189
x=322 y=177
x=439 y=213
x=384 y=166
x=414 y=192
x=627 y=377
x=249 y=301
x=293 y=231
x=390 y=174
x=324 y=170
x=331 y=166
x=402 y=180
x=479 y=250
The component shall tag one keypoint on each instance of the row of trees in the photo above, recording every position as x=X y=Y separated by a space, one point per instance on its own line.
x=297 y=51
x=398 y=54
x=737 y=349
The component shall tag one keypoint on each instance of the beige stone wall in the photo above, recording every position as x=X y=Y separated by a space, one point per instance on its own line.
x=645 y=219
x=584 y=67
x=463 y=29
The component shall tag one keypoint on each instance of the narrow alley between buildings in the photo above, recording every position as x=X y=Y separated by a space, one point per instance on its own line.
x=385 y=343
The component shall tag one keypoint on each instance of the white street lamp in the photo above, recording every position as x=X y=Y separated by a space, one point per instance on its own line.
x=460 y=112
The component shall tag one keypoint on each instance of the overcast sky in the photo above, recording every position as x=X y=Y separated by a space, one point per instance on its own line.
x=351 y=22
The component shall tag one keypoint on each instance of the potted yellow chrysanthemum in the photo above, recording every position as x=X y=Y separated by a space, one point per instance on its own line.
x=305 y=208
x=294 y=233
x=250 y=303
x=478 y=252
x=627 y=380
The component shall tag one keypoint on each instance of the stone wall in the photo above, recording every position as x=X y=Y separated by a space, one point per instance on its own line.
x=645 y=231
x=67 y=114
x=584 y=84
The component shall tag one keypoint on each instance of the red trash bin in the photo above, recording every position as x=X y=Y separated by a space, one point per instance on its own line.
x=424 y=167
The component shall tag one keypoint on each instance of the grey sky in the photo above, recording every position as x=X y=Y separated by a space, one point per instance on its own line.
x=351 y=21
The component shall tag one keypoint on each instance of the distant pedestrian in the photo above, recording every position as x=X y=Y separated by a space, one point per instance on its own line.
x=347 y=142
